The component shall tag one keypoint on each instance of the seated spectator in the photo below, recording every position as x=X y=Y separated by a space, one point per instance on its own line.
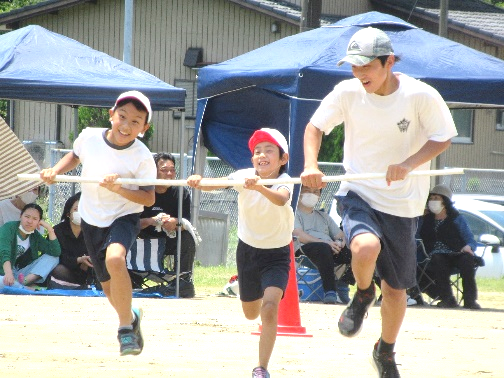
x=160 y=220
x=322 y=242
x=10 y=209
x=75 y=268
x=20 y=245
x=450 y=243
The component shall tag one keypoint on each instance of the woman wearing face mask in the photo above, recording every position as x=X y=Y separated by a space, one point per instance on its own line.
x=20 y=244
x=450 y=242
x=10 y=209
x=75 y=267
x=321 y=240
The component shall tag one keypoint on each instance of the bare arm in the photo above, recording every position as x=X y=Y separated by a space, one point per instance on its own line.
x=428 y=152
x=66 y=163
x=312 y=176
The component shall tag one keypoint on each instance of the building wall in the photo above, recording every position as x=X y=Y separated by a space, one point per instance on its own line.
x=163 y=30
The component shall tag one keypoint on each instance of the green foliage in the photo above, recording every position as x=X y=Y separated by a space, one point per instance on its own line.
x=331 y=149
x=3 y=109
x=99 y=117
x=8 y=5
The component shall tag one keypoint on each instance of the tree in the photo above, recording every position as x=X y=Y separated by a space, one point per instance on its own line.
x=8 y=5
x=331 y=149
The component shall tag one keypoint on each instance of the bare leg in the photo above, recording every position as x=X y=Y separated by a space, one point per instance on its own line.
x=268 y=309
x=393 y=310
x=118 y=289
x=30 y=279
x=365 y=249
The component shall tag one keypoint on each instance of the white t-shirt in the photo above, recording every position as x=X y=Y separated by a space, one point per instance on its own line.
x=385 y=130
x=262 y=224
x=8 y=212
x=99 y=206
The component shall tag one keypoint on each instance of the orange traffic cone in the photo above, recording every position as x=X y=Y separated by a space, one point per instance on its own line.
x=289 y=318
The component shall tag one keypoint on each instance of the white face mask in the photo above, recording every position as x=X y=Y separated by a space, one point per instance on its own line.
x=76 y=218
x=435 y=206
x=309 y=199
x=28 y=197
x=21 y=228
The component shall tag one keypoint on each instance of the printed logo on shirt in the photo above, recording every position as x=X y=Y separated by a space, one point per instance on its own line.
x=403 y=125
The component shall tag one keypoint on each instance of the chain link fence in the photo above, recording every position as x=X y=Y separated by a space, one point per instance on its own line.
x=226 y=201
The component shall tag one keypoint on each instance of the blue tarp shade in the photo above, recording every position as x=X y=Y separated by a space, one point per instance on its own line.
x=39 y=65
x=281 y=84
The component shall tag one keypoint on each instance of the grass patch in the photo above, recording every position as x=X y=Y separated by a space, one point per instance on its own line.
x=211 y=279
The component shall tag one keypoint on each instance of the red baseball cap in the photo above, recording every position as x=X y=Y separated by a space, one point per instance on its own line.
x=268 y=135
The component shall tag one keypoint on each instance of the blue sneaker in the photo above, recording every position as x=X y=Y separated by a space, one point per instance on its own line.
x=128 y=342
x=136 y=326
x=260 y=372
x=330 y=297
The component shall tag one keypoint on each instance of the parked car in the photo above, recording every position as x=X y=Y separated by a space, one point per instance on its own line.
x=498 y=200
x=484 y=219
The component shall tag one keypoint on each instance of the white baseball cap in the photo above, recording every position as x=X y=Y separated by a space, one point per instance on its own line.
x=137 y=96
x=366 y=45
x=268 y=135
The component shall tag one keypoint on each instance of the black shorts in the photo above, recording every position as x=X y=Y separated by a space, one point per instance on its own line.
x=397 y=260
x=123 y=230
x=259 y=269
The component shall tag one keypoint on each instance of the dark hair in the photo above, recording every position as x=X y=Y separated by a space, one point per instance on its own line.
x=164 y=156
x=283 y=167
x=383 y=59
x=136 y=103
x=33 y=206
x=68 y=205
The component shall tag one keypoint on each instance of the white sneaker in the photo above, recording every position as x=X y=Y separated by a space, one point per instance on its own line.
x=410 y=301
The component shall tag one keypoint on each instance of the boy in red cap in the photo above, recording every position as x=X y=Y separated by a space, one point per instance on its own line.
x=265 y=225
x=111 y=212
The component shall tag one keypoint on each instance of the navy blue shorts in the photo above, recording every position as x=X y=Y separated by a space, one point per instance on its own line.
x=397 y=260
x=259 y=269
x=123 y=230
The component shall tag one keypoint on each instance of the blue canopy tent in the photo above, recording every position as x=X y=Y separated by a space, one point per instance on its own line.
x=39 y=65
x=281 y=84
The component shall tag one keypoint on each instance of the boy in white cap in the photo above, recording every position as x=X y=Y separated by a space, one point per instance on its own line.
x=265 y=225
x=394 y=124
x=110 y=212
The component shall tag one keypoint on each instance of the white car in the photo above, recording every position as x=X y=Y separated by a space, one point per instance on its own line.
x=484 y=218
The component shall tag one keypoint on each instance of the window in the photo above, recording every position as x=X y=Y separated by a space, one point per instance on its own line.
x=190 y=100
x=500 y=120
x=464 y=119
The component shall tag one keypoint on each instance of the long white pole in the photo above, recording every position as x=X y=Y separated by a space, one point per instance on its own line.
x=224 y=182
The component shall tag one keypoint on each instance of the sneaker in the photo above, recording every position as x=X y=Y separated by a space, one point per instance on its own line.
x=350 y=321
x=330 y=297
x=136 y=326
x=384 y=364
x=410 y=301
x=260 y=372
x=472 y=305
x=128 y=342
x=448 y=303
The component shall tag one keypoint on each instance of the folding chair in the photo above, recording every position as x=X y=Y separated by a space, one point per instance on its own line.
x=145 y=263
x=456 y=279
x=425 y=283
x=308 y=280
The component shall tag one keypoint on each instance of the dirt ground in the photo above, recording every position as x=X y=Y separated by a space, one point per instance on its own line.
x=208 y=337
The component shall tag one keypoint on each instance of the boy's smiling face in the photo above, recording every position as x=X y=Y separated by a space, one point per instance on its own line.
x=127 y=123
x=266 y=159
